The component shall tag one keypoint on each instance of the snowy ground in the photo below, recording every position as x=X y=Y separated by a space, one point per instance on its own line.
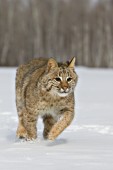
x=86 y=145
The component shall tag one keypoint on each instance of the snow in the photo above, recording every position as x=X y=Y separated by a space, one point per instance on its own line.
x=87 y=144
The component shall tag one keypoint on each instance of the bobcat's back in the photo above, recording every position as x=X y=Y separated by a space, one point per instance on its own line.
x=23 y=77
x=26 y=70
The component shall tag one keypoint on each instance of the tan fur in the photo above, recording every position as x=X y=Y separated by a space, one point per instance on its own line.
x=45 y=88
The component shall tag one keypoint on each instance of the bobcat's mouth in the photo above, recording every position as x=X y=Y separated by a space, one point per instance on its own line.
x=63 y=94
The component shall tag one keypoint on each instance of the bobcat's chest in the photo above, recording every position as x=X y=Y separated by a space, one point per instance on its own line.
x=49 y=109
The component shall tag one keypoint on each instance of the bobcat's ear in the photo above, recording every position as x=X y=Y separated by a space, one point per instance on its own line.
x=51 y=64
x=72 y=63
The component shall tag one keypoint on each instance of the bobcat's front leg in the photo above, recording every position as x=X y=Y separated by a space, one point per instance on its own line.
x=61 y=125
x=49 y=122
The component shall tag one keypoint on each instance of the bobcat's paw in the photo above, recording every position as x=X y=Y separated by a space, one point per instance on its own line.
x=52 y=136
x=31 y=137
x=21 y=132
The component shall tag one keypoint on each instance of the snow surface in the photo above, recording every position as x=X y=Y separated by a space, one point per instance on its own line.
x=87 y=144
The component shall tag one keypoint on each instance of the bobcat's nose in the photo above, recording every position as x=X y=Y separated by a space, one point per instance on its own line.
x=64 y=87
x=64 y=90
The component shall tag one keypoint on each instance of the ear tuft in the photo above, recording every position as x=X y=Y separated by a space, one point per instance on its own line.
x=72 y=62
x=51 y=64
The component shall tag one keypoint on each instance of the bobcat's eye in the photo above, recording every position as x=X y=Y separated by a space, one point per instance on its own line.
x=58 y=79
x=69 y=79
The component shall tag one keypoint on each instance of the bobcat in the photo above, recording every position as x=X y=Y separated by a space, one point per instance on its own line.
x=45 y=88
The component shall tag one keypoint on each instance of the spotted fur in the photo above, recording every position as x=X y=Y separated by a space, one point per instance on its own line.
x=45 y=88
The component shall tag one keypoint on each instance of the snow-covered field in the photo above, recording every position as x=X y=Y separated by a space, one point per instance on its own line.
x=87 y=144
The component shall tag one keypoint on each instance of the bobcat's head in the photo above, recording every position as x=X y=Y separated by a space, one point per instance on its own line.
x=60 y=78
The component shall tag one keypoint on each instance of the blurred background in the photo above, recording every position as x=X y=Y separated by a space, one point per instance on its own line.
x=57 y=28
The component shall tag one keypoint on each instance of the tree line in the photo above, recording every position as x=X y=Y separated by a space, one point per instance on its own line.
x=56 y=28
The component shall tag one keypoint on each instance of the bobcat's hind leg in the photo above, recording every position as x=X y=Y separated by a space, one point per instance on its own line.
x=48 y=121
x=21 y=130
x=27 y=126
x=30 y=122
